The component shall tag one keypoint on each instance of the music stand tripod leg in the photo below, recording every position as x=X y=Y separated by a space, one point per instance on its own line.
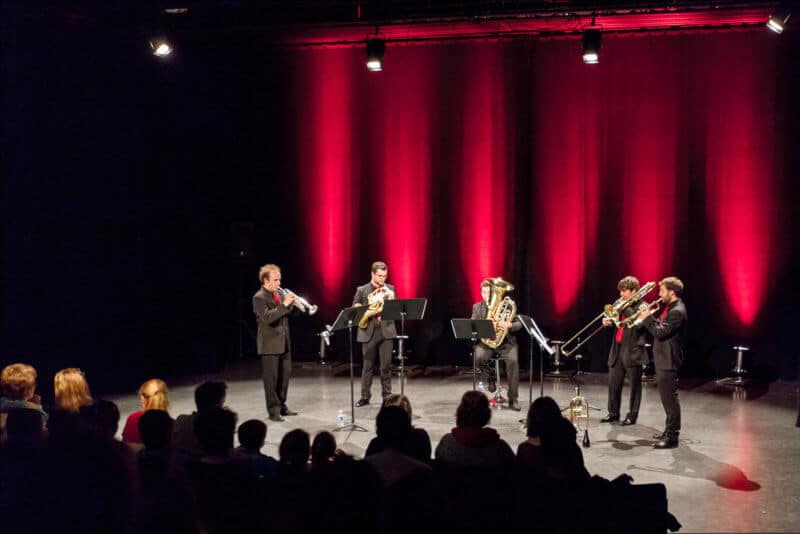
x=352 y=426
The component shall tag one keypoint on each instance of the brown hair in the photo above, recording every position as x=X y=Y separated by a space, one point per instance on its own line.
x=263 y=272
x=71 y=389
x=155 y=395
x=486 y=283
x=672 y=283
x=378 y=266
x=399 y=400
x=629 y=282
x=19 y=381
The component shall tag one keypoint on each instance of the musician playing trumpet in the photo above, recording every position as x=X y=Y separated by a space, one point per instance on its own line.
x=506 y=351
x=375 y=335
x=625 y=357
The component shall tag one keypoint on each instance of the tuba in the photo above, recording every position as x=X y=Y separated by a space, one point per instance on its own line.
x=375 y=303
x=501 y=308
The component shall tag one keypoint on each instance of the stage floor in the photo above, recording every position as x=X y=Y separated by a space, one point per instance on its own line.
x=734 y=471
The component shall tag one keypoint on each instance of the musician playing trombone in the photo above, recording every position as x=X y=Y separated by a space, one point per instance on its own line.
x=376 y=336
x=506 y=351
x=625 y=357
x=272 y=308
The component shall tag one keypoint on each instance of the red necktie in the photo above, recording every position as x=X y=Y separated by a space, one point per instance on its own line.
x=277 y=299
x=664 y=314
x=620 y=330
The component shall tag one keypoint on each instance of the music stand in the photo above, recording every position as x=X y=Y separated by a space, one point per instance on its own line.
x=402 y=309
x=533 y=331
x=473 y=329
x=347 y=318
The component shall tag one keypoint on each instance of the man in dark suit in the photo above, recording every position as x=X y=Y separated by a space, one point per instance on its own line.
x=625 y=357
x=669 y=332
x=507 y=351
x=378 y=337
x=273 y=343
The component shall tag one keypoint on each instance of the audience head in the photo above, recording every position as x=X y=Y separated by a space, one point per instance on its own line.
x=155 y=428
x=214 y=429
x=103 y=416
x=209 y=395
x=393 y=426
x=473 y=411
x=323 y=448
x=252 y=435
x=71 y=390
x=399 y=400
x=295 y=448
x=19 y=381
x=543 y=413
x=154 y=395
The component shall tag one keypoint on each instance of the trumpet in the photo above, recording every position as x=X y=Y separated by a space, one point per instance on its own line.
x=300 y=303
x=652 y=307
x=610 y=311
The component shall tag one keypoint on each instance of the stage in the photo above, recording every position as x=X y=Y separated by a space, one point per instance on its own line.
x=734 y=471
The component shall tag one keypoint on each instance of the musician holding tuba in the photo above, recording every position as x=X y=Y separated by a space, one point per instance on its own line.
x=271 y=308
x=495 y=307
x=376 y=336
x=625 y=356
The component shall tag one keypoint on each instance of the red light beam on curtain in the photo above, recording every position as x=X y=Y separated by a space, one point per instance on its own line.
x=326 y=173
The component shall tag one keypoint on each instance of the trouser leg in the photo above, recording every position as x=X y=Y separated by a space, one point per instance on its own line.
x=269 y=374
x=369 y=350
x=635 y=373
x=482 y=356
x=385 y=353
x=510 y=356
x=616 y=377
x=668 y=391
x=284 y=373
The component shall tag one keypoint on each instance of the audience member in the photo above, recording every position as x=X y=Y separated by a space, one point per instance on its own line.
x=154 y=396
x=103 y=416
x=542 y=414
x=18 y=382
x=207 y=396
x=418 y=444
x=71 y=390
x=471 y=442
x=323 y=450
x=252 y=437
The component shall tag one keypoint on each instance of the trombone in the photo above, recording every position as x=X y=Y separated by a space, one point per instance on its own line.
x=652 y=307
x=610 y=311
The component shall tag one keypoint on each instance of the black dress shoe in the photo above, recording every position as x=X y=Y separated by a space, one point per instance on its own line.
x=285 y=411
x=362 y=402
x=609 y=419
x=277 y=418
x=660 y=435
x=669 y=442
x=515 y=406
x=628 y=421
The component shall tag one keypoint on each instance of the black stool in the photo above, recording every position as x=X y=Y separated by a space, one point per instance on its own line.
x=739 y=376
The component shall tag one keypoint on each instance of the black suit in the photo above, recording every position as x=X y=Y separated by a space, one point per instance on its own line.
x=376 y=338
x=669 y=333
x=507 y=351
x=626 y=357
x=275 y=348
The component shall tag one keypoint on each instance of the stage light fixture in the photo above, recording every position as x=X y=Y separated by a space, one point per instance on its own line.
x=592 y=40
x=777 y=21
x=375 y=50
x=160 y=47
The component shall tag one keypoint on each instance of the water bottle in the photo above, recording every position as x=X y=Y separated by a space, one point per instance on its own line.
x=340 y=419
x=481 y=388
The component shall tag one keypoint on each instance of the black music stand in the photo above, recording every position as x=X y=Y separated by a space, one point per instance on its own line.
x=402 y=309
x=348 y=318
x=533 y=331
x=473 y=329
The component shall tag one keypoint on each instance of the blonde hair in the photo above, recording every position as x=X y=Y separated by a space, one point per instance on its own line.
x=263 y=272
x=72 y=390
x=19 y=381
x=155 y=395
x=401 y=401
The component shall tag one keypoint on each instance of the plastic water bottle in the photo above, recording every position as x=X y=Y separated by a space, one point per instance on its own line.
x=481 y=388
x=340 y=419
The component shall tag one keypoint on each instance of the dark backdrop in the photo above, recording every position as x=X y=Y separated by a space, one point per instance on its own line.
x=140 y=196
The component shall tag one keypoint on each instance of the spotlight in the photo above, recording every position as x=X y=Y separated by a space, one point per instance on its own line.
x=592 y=40
x=160 y=47
x=375 y=51
x=777 y=21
